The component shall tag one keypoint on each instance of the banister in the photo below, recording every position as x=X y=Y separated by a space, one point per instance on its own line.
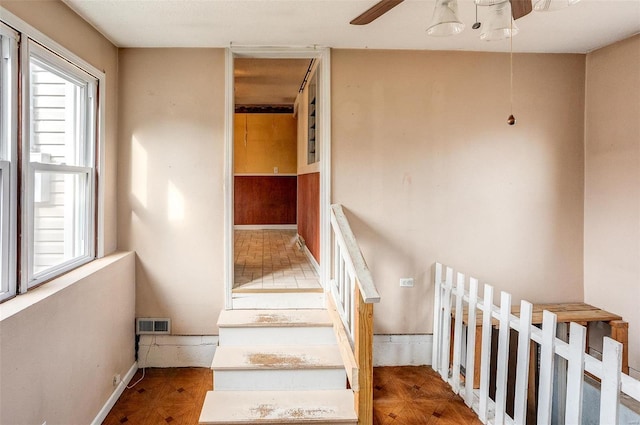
x=355 y=260
x=351 y=296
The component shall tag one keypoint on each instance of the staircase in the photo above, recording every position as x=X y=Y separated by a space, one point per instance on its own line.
x=278 y=367
x=283 y=360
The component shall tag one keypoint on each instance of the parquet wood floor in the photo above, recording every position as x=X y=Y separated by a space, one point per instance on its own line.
x=416 y=396
x=402 y=396
x=165 y=396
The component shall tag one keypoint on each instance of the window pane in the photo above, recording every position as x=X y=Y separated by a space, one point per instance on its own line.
x=60 y=219
x=58 y=115
x=4 y=245
x=8 y=149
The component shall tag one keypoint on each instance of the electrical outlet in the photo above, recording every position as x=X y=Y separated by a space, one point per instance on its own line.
x=406 y=282
x=116 y=379
x=275 y=170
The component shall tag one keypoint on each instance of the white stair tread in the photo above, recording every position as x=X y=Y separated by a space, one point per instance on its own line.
x=282 y=407
x=277 y=357
x=271 y=318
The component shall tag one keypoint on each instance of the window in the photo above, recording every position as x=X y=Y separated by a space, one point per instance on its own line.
x=58 y=213
x=8 y=169
x=48 y=158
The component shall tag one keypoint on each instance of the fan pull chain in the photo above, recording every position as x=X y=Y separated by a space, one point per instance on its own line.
x=511 y=120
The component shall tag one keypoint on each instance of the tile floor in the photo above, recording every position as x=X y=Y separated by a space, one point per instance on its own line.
x=412 y=395
x=270 y=260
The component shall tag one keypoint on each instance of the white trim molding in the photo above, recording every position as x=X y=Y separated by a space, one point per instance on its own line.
x=176 y=350
x=312 y=259
x=323 y=54
x=102 y=414
x=265 y=227
x=402 y=350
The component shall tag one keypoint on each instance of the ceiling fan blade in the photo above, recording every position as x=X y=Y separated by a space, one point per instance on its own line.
x=520 y=8
x=375 y=12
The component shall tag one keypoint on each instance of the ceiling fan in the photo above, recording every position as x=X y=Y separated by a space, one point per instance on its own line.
x=519 y=8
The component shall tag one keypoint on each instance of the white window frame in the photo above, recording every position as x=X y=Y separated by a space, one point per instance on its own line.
x=17 y=270
x=8 y=160
x=65 y=68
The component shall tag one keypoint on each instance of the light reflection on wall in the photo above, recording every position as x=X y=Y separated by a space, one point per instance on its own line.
x=139 y=171
x=175 y=203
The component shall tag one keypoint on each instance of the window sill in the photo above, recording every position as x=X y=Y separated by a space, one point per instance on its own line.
x=34 y=296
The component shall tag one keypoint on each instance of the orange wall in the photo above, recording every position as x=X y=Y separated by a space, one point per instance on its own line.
x=428 y=170
x=612 y=185
x=264 y=141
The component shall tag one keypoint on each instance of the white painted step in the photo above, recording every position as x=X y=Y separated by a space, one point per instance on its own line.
x=279 y=407
x=264 y=300
x=269 y=327
x=297 y=367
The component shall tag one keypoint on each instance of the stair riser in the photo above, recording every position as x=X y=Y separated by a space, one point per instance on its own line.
x=279 y=380
x=270 y=422
x=279 y=301
x=258 y=422
x=333 y=407
x=277 y=335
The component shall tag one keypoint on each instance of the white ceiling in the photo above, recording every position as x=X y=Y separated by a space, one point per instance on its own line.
x=588 y=25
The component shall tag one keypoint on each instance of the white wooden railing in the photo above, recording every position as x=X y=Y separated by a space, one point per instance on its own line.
x=467 y=302
x=351 y=298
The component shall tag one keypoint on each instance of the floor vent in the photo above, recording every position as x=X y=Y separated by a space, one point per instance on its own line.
x=151 y=325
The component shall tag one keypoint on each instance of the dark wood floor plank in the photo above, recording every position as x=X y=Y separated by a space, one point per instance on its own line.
x=402 y=396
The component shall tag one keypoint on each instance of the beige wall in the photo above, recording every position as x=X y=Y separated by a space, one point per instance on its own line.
x=429 y=170
x=264 y=141
x=171 y=169
x=63 y=343
x=61 y=24
x=612 y=185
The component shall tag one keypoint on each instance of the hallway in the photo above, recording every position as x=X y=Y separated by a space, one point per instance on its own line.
x=271 y=261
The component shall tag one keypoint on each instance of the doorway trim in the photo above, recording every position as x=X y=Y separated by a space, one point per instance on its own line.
x=323 y=54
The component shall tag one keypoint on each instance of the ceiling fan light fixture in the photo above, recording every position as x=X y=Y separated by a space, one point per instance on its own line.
x=499 y=25
x=551 y=5
x=445 y=19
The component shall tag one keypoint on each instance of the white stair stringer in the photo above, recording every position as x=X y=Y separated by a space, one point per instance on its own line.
x=278 y=367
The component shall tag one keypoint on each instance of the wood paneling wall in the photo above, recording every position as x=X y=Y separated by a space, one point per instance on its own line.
x=309 y=211
x=264 y=141
x=265 y=199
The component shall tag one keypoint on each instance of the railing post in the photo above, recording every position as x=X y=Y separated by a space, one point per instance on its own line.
x=471 y=365
x=547 y=355
x=503 y=358
x=575 y=374
x=610 y=386
x=437 y=318
x=485 y=356
x=523 y=367
x=457 y=335
x=363 y=347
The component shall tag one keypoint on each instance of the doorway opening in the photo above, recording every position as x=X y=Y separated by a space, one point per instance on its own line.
x=277 y=184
